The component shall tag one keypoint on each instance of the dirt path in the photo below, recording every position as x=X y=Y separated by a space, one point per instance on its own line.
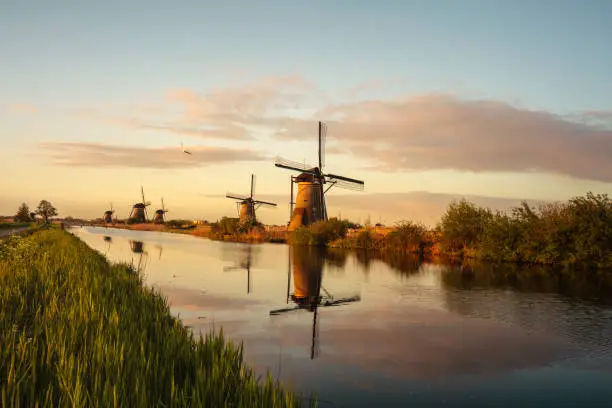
x=7 y=232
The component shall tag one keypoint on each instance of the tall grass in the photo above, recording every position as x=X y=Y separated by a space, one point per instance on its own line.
x=77 y=331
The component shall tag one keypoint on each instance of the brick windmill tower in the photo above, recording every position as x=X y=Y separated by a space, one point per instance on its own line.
x=139 y=210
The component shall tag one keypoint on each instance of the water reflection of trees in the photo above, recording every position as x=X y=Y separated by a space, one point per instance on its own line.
x=336 y=257
x=529 y=279
x=401 y=263
x=574 y=304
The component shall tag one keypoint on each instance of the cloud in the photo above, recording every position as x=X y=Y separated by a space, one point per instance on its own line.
x=444 y=132
x=414 y=133
x=76 y=154
x=24 y=107
x=227 y=114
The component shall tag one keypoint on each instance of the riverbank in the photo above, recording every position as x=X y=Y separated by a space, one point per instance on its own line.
x=77 y=331
x=255 y=236
x=576 y=233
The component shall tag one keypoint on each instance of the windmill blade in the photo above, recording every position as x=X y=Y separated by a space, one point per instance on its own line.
x=279 y=311
x=345 y=182
x=265 y=203
x=337 y=302
x=241 y=197
x=142 y=193
x=322 y=138
x=232 y=268
x=252 y=185
x=314 y=348
x=163 y=206
x=347 y=185
x=292 y=165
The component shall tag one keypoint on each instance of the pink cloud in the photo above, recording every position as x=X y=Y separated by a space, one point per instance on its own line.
x=76 y=154
x=443 y=132
x=220 y=113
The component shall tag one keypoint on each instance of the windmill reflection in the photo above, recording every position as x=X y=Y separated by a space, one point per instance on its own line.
x=245 y=263
x=137 y=247
x=307 y=263
x=109 y=240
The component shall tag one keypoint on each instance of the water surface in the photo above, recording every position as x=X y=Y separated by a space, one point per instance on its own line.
x=388 y=331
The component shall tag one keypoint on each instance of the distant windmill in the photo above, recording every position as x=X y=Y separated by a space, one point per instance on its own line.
x=139 y=210
x=108 y=215
x=307 y=286
x=310 y=201
x=160 y=217
x=247 y=204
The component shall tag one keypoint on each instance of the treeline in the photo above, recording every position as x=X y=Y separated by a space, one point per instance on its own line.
x=45 y=210
x=576 y=232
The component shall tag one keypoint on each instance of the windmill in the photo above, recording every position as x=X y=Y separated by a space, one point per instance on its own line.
x=310 y=200
x=247 y=204
x=307 y=286
x=108 y=215
x=160 y=217
x=244 y=264
x=139 y=210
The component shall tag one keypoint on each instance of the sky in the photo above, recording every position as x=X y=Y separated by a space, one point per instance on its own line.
x=426 y=101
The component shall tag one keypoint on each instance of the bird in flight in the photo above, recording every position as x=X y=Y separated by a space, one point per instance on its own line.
x=183 y=149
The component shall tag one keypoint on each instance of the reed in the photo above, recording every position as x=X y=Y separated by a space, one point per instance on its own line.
x=78 y=331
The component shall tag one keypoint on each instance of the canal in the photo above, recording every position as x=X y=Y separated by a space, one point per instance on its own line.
x=389 y=330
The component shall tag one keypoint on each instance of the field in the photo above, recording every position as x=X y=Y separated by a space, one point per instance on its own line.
x=77 y=331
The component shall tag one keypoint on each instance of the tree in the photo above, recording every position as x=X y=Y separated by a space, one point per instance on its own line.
x=46 y=210
x=23 y=213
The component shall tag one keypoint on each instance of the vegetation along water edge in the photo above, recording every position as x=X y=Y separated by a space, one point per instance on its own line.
x=577 y=232
x=78 y=331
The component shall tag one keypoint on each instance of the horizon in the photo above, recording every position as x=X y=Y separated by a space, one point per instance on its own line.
x=426 y=104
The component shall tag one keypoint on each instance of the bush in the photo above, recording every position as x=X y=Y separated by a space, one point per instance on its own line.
x=320 y=233
x=576 y=232
x=463 y=226
x=408 y=236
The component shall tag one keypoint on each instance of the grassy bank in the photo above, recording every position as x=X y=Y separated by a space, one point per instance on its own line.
x=231 y=229
x=406 y=237
x=76 y=331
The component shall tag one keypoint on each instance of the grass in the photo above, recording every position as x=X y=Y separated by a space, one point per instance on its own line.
x=77 y=331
